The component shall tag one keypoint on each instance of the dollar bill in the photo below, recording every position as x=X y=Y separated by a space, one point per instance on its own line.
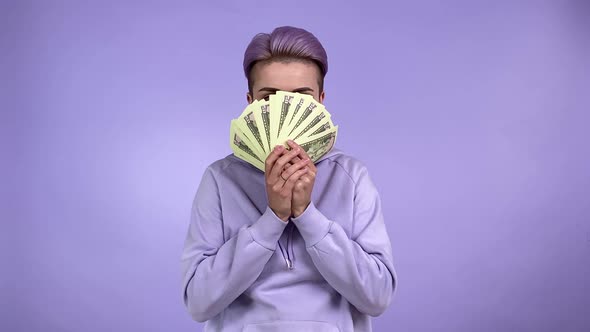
x=285 y=105
x=249 y=160
x=311 y=122
x=264 y=124
x=262 y=116
x=321 y=128
x=275 y=106
x=246 y=135
x=318 y=145
x=252 y=126
x=299 y=101
x=265 y=111
x=306 y=112
x=238 y=143
x=241 y=149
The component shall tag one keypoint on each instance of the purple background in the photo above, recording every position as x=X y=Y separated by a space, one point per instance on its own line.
x=472 y=118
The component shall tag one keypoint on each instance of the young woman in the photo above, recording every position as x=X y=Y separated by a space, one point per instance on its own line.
x=299 y=247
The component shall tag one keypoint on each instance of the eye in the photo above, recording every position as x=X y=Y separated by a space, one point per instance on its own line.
x=267 y=97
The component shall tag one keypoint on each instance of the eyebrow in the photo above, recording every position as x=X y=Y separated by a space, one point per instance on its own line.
x=303 y=89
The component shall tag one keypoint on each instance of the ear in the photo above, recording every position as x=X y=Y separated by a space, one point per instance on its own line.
x=249 y=98
x=322 y=96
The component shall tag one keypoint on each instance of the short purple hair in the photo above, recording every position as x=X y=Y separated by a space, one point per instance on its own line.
x=285 y=44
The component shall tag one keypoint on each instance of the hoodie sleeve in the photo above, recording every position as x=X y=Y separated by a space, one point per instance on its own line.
x=214 y=271
x=359 y=267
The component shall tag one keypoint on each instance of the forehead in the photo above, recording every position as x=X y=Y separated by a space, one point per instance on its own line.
x=286 y=75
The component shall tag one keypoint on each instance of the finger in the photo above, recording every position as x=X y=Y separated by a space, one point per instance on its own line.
x=302 y=154
x=308 y=177
x=279 y=165
x=292 y=161
x=312 y=171
x=288 y=187
x=273 y=157
x=304 y=182
x=291 y=170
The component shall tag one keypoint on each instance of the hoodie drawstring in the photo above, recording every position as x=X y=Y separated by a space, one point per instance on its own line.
x=288 y=260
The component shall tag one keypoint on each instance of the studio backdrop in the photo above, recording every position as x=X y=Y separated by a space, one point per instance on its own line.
x=472 y=118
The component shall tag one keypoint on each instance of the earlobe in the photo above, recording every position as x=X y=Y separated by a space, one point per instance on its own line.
x=322 y=96
x=249 y=97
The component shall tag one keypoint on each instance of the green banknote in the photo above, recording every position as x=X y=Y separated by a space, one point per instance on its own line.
x=286 y=115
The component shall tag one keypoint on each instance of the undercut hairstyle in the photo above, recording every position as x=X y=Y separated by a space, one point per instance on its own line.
x=285 y=44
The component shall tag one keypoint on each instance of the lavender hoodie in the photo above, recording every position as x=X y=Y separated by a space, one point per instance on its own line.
x=329 y=269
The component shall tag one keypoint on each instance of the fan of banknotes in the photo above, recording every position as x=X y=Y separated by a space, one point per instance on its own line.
x=286 y=115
